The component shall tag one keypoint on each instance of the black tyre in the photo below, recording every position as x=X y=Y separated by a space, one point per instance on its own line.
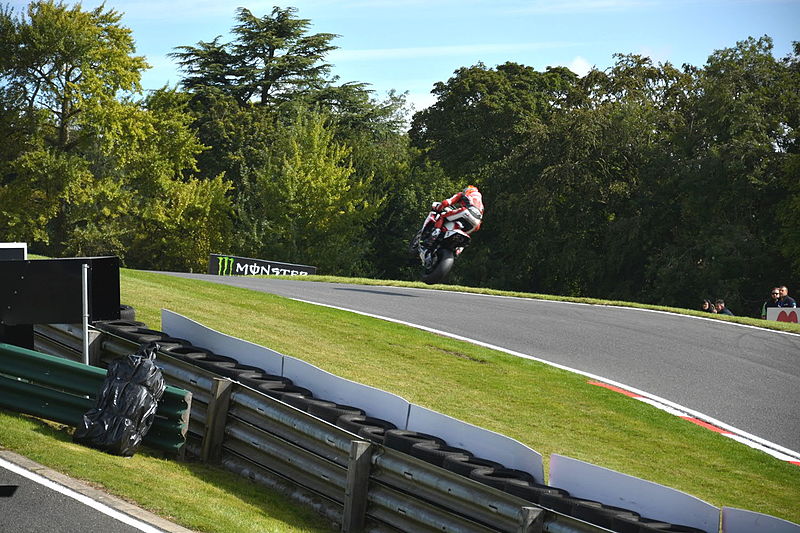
x=216 y=363
x=237 y=371
x=565 y=504
x=332 y=413
x=441 y=268
x=126 y=312
x=462 y=466
x=532 y=492
x=413 y=245
x=603 y=515
x=278 y=390
x=676 y=528
x=500 y=477
x=187 y=353
x=435 y=454
x=403 y=439
x=304 y=403
x=375 y=434
x=354 y=423
x=145 y=335
x=255 y=379
x=120 y=324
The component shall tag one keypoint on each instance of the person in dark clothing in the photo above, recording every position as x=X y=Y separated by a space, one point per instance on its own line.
x=774 y=301
x=708 y=307
x=721 y=309
x=786 y=300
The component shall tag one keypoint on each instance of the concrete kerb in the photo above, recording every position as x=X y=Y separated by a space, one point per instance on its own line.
x=82 y=488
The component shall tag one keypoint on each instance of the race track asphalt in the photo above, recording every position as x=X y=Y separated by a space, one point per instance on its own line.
x=746 y=377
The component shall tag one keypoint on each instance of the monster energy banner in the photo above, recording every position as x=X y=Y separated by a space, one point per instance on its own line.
x=230 y=265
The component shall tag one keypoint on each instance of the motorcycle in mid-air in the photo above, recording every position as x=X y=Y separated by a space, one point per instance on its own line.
x=438 y=253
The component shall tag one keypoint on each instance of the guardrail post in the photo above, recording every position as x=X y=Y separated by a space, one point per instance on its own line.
x=215 y=420
x=357 y=487
x=531 y=520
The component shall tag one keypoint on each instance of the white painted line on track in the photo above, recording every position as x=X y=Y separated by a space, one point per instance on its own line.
x=739 y=435
x=122 y=517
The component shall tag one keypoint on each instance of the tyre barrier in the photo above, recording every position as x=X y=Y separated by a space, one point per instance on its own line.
x=436 y=454
x=126 y=312
x=429 y=448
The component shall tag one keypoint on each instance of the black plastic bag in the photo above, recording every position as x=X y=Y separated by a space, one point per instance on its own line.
x=126 y=406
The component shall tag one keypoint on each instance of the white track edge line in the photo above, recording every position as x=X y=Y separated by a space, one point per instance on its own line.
x=700 y=416
x=86 y=500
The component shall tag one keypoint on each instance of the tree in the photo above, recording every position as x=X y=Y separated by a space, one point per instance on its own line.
x=310 y=208
x=89 y=169
x=60 y=73
x=270 y=60
x=481 y=113
x=66 y=67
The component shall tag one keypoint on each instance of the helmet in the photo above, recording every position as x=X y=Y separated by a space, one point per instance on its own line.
x=470 y=188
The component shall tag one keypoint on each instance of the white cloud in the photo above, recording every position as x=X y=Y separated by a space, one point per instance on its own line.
x=420 y=101
x=579 y=66
x=342 y=55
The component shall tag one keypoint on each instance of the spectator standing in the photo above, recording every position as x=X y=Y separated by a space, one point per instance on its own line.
x=721 y=309
x=786 y=300
x=774 y=301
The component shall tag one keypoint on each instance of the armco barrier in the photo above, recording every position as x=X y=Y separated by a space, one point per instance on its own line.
x=283 y=447
x=60 y=390
x=377 y=490
x=365 y=487
x=382 y=404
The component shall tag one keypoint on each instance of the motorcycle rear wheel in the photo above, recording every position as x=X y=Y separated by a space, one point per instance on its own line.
x=441 y=268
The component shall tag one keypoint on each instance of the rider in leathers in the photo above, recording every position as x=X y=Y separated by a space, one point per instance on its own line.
x=468 y=211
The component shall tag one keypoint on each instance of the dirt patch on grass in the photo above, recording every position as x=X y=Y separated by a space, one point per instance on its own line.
x=459 y=355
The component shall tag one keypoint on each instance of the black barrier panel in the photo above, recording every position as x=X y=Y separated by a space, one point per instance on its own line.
x=231 y=265
x=21 y=335
x=12 y=254
x=49 y=291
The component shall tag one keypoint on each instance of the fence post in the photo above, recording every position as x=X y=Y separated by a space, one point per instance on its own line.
x=531 y=520
x=215 y=420
x=357 y=487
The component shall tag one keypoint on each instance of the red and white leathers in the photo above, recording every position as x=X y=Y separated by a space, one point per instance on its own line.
x=468 y=210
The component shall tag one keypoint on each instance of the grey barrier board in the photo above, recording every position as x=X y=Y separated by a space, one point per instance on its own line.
x=232 y=265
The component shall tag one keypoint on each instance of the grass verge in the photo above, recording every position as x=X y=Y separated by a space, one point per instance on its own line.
x=550 y=410
x=194 y=495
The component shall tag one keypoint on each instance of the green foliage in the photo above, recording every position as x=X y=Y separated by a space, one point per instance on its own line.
x=67 y=65
x=643 y=182
x=314 y=208
x=270 y=60
x=87 y=171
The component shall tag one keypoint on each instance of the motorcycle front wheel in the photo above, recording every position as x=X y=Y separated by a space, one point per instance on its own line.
x=413 y=246
x=440 y=268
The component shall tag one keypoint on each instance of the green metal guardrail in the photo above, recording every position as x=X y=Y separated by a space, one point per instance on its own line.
x=62 y=391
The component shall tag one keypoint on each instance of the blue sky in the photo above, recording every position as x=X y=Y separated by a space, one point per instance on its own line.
x=409 y=45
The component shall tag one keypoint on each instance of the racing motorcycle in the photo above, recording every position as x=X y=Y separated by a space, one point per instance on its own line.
x=437 y=253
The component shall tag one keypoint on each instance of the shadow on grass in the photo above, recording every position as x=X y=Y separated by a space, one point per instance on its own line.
x=211 y=488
